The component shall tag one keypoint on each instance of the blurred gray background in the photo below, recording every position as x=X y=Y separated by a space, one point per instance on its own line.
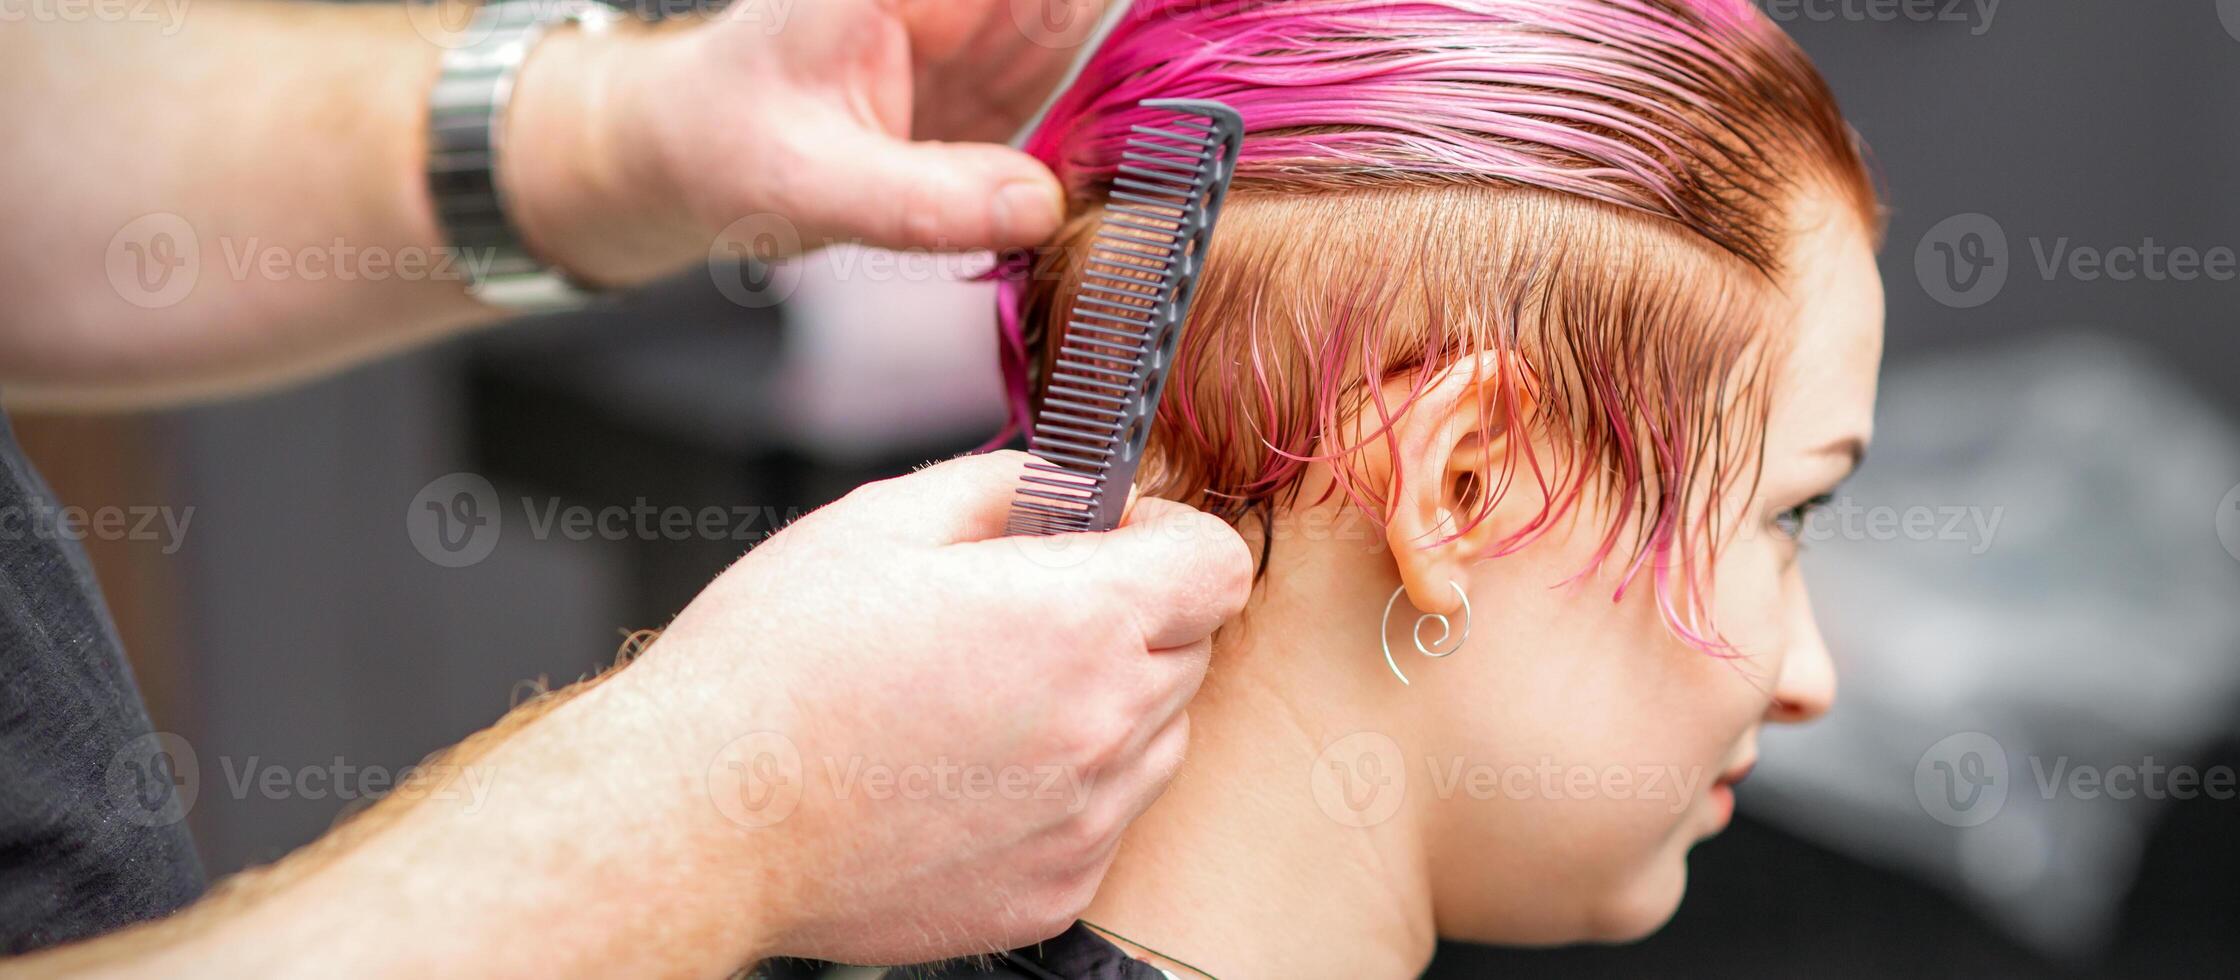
x=298 y=624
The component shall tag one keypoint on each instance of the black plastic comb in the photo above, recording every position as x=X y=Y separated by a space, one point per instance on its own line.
x=1126 y=322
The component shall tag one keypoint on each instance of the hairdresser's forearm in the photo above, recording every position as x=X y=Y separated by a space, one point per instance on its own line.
x=537 y=854
x=281 y=144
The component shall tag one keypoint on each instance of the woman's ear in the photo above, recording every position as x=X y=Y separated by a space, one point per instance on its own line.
x=1450 y=445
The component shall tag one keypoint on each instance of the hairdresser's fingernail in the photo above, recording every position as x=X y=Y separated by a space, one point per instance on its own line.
x=1026 y=212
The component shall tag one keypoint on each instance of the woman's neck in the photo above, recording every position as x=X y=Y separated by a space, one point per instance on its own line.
x=1248 y=866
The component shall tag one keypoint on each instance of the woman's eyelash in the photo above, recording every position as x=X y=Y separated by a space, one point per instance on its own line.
x=1792 y=521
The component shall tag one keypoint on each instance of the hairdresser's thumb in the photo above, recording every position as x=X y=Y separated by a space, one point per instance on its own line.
x=960 y=500
x=1186 y=572
x=895 y=193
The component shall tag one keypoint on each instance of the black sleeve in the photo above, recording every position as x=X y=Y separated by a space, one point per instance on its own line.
x=1076 y=954
x=92 y=810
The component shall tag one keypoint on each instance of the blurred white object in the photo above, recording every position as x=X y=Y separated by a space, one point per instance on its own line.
x=2036 y=628
x=889 y=352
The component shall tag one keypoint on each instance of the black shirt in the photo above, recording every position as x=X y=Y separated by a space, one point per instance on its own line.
x=92 y=801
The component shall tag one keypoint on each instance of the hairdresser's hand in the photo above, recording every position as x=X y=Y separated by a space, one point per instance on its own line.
x=961 y=725
x=649 y=143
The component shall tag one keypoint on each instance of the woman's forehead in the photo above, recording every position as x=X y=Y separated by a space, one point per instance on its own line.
x=1835 y=355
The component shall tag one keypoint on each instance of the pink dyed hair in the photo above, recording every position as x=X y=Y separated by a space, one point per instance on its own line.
x=1600 y=186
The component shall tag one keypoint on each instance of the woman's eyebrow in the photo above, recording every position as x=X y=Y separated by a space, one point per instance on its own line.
x=1853 y=448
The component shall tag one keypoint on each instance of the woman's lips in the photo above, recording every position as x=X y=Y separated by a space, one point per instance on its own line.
x=1740 y=772
x=1722 y=792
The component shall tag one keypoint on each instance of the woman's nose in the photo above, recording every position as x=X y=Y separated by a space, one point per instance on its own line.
x=1807 y=685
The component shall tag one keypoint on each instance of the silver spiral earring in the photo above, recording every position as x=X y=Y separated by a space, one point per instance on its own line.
x=1430 y=649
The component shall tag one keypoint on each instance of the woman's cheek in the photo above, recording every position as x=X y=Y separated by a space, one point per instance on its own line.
x=1751 y=592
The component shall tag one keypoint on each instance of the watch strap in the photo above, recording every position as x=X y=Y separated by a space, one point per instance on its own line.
x=466 y=129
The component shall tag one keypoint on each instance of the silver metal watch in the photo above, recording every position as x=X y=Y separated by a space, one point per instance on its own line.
x=466 y=126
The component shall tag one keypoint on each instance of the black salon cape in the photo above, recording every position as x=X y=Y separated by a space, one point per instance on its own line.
x=81 y=852
x=1076 y=954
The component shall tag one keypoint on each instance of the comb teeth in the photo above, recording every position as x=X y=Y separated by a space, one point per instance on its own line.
x=1126 y=320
